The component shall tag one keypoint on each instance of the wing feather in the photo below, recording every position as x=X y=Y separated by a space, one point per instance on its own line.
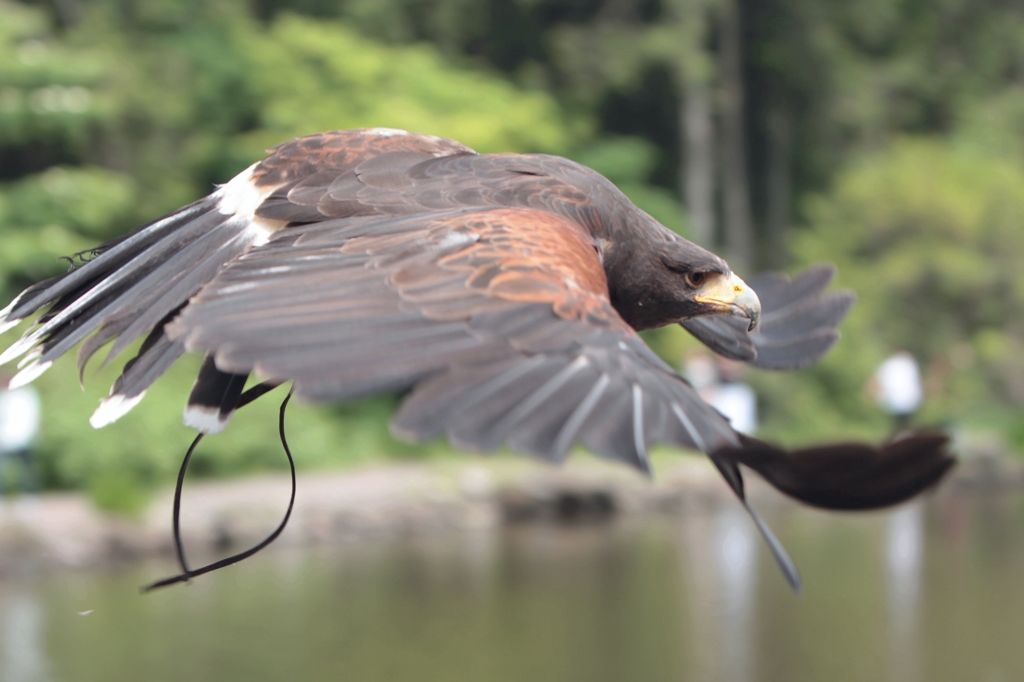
x=497 y=321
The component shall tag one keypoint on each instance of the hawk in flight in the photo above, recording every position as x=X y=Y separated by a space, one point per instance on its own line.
x=501 y=294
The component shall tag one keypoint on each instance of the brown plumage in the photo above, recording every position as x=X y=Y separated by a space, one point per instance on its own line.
x=501 y=293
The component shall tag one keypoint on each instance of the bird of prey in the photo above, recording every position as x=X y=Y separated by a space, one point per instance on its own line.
x=500 y=293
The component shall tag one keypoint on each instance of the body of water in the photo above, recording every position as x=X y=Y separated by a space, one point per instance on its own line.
x=927 y=593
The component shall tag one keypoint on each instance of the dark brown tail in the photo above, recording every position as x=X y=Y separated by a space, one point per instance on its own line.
x=845 y=476
x=849 y=476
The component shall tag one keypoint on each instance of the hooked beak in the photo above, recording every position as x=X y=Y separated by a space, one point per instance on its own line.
x=732 y=296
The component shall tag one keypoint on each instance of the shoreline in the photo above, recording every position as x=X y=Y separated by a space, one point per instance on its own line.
x=65 y=531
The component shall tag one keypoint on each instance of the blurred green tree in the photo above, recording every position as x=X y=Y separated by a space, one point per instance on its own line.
x=929 y=235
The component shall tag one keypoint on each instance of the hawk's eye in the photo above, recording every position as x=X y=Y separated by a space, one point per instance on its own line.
x=695 y=279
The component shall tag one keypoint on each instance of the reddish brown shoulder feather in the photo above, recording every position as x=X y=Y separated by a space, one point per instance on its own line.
x=520 y=256
x=337 y=149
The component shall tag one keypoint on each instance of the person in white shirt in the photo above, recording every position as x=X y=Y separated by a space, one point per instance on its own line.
x=20 y=412
x=896 y=387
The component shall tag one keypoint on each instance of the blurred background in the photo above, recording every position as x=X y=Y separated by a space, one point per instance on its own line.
x=886 y=136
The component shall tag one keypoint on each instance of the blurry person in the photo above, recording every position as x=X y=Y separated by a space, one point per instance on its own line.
x=19 y=425
x=717 y=380
x=734 y=398
x=701 y=371
x=896 y=387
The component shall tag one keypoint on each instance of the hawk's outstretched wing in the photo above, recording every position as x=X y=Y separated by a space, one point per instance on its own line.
x=498 y=322
x=361 y=262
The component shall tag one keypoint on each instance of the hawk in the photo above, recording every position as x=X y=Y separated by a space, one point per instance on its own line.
x=501 y=294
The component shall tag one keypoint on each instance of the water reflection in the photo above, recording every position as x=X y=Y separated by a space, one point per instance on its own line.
x=721 y=553
x=736 y=551
x=692 y=596
x=22 y=630
x=904 y=554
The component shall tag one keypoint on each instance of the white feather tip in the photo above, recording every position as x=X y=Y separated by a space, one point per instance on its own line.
x=29 y=374
x=113 y=408
x=204 y=419
x=6 y=324
x=19 y=348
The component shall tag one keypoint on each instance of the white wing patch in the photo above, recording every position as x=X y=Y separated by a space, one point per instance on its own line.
x=240 y=198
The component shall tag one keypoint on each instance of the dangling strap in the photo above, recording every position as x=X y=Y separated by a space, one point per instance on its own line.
x=186 y=573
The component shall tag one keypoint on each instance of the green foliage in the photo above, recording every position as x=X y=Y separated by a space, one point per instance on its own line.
x=929 y=237
x=629 y=162
x=319 y=75
x=81 y=200
x=994 y=126
x=931 y=234
x=46 y=87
